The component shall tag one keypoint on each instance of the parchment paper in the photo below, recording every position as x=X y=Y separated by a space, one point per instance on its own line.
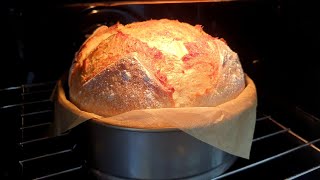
x=229 y=126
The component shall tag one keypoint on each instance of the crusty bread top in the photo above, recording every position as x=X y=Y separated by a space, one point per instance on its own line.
x=190 y=66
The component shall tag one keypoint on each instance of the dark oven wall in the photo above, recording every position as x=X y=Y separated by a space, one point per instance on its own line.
x=43 y=38
x=276 y=40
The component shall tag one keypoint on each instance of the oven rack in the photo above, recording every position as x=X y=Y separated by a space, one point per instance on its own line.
x=277 y=151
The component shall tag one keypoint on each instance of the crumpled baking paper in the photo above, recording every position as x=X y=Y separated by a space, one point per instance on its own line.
x=229 y=126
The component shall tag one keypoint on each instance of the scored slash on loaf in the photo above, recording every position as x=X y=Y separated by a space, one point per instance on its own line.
x=153 y=64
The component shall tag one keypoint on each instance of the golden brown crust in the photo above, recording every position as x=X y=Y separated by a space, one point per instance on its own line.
x=123 y=86
x=153 y=64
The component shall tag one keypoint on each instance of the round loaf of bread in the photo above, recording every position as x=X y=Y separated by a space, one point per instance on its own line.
x=153 y=64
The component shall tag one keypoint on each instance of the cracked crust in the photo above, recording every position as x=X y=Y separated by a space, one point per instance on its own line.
x=153 y=64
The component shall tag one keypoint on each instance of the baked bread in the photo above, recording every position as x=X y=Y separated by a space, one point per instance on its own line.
x=153 y=64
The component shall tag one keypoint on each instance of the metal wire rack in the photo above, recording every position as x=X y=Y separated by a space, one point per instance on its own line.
x=277 y=151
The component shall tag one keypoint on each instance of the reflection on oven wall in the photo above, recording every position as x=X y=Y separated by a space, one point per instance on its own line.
x=96 y=16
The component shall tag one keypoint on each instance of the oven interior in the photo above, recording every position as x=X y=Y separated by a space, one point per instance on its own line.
x=276 y=41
